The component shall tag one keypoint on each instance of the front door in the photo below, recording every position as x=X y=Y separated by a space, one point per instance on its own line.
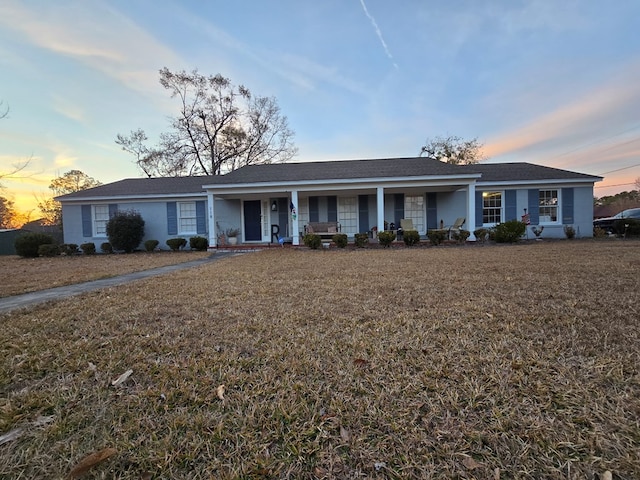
x=252 y=221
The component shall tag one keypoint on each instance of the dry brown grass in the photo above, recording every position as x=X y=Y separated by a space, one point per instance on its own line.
x=473 y=362
x=32 y=274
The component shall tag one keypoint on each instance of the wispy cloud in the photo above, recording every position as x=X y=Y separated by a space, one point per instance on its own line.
x=584 y=120
x=378 y=33
x=95 y=35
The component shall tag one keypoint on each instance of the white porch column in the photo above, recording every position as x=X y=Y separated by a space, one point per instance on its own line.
x=380 y=207
x=471 y=210
x=213 y=238
x=295 y=223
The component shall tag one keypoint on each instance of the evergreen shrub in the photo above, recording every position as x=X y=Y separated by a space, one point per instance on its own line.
x=340 y=239
x=176 y=244
x=27 y=244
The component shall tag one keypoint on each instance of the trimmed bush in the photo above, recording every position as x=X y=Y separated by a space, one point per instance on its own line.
x=312 y=241
x=361 y=239
x=199 y=243
x=481 y=234
x=69 y=248
x=461 y=236
x=386 y=238
x=176 y=244
x=48 y=250
x=436 y=237
x=88 y=248
x=27 y=244
x=510 y=232
x=151 y=245
x=410 y=237
x=125 y=230
x=569 y=232
x=340 y=239
x=106 y=247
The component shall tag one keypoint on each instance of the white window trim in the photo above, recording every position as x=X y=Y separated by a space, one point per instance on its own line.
x=493 y=224
x=558 y=207
x=195 y=217
x=94 y=221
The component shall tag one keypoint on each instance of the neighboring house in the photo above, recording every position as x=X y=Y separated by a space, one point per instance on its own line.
x=357 y=194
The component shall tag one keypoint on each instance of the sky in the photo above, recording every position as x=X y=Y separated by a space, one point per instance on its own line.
x=550 y=82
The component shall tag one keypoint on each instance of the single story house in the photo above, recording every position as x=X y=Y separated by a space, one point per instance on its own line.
x=270 y=202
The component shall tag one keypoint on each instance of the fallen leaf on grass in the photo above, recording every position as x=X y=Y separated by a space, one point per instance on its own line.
x=360 y=362
x=345 y=434
x=470 y=463
x=11 y=435
x=89 y=461
x=220 y=392
x=607 y=475
x=122 y=378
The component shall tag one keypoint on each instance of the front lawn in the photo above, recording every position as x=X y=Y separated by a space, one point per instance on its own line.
x=445 y=362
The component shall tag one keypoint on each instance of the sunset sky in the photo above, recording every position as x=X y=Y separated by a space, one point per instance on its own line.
x=544 y=81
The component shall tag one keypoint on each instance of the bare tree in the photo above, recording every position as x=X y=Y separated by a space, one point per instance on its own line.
x=71 y=181
x=454 y=150
x=4 y=111
x=15 y=171
x=220 y=127
x=637 y=183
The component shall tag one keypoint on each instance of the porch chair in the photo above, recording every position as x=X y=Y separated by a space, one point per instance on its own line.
x=457 y=226
x=406 y=224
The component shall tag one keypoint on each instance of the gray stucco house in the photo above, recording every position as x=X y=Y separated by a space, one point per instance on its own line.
x=358 y=195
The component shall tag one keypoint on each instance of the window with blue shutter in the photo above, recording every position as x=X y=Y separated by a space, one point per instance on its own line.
x=86 y=221
x=172 y=218
x=534 y=206
x=479 y=208
x=432 y=210
x=201 y=217
x=332 y=209
x=510 y=205
x=314 y=211
x=398 y=208
x=567 y=206
x=363 y=212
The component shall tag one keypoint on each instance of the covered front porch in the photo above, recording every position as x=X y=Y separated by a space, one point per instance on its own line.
x=273 y=216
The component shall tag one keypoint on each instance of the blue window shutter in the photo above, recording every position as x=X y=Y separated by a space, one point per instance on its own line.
x=113 y=209
x=479 y=208
x=201 y=216
x=332 y=208
x=363 y=212
x=432 y=210
x=172 y=218
x=510 y=206
x=534 y=206
x=567 y=205
x=86 y=221
x=314 y=212
x=398 y=208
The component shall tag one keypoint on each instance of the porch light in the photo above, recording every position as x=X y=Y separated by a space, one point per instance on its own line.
x=274 y=206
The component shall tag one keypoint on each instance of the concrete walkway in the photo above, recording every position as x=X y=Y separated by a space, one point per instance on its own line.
x=15 y=302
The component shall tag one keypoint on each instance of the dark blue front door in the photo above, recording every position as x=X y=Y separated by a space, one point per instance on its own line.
x=252 y=222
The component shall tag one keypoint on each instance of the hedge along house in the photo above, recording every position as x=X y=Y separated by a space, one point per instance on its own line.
x=268 y=202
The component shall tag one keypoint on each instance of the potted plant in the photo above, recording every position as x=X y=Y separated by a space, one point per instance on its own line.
x=232 y=235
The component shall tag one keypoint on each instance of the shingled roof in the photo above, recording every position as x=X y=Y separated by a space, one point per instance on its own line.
x=342 y=170
x=516 y=172
x=328 y=170
x=146 y=187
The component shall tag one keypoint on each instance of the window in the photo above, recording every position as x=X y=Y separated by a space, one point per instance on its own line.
x=187 y=218
x=491 y=208
x=100 y=219
x=548 y=206
x=414 y=210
